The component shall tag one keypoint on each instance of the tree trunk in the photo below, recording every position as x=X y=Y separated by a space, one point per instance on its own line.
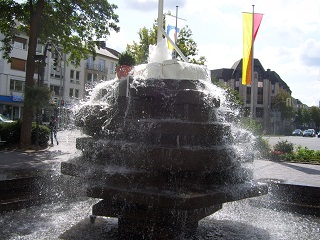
x=28 y=110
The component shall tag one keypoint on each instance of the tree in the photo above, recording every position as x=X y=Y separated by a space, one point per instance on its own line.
x=315 y=115
x=141 y=50
x=73 y=25
x=280 y=104
x=149 y=37
x=299 y=118
x=306 y=115
x=236 y=100
x=188 y=46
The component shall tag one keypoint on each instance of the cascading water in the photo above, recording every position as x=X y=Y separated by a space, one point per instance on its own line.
x=160 y=152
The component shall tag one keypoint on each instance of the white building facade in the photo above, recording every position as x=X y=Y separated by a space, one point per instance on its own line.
x=67 y=83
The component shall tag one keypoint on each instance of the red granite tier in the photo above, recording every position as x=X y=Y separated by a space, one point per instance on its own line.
x=137 y=156
x=184 y=199
x=125 y=177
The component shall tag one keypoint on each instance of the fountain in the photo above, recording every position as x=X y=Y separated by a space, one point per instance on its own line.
x=159 y=153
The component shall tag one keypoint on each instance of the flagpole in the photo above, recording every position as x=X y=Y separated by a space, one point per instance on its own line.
x=160 y=21
x=176 y=31
x=252 y=67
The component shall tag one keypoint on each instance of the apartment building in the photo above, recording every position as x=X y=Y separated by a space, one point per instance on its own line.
x=266 y=86
x=67 y=83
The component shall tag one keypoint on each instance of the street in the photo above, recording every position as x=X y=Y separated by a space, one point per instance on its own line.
x=312 y=143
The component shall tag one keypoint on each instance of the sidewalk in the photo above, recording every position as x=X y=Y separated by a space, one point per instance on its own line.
x=292 y=173
x=43 y=159
x=50 y=158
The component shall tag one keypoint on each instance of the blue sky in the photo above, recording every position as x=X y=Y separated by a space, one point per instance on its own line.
x=288 y=40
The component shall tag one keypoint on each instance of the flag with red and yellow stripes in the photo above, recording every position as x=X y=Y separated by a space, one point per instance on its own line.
x=251 y=24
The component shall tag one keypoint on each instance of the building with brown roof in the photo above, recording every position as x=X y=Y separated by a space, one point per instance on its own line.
x=266 y=85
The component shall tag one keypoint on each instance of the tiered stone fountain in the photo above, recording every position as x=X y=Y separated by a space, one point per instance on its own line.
x=158 y=156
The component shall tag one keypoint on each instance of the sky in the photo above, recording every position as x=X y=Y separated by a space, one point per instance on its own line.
x=288 y=41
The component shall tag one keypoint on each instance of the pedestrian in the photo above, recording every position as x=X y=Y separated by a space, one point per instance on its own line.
x=53 y=129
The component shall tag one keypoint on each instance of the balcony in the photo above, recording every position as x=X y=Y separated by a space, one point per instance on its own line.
x=97 y=67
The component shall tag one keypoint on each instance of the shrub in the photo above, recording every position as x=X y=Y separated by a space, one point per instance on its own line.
x=10 y=133
x=283 y=147
x=44 y=135
x=126 y=58
x=263 y=146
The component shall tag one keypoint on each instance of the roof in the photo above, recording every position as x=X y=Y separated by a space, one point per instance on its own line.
x=105 y=52
x=222 y=73
x=236 y=69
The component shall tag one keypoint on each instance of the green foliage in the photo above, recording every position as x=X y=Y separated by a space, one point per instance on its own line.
x=232 y=95
x=299 y=118
x=262 y=146
x=306 y=116
x=252 y=126
x=141 y=50
x=126 y=58
x=71 y=24
x=283 y=147
x=149 y=37
x=284 y=151
x=315 y=115
x=38 y=96
x=188 y=46
x=10 y=133
x=44 y=135
x=287 y=112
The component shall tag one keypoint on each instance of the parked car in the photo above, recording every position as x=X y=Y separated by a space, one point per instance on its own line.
x=297 y=132
x=5 y=119
x=314 y=131
x=309 y=133
x=319 y=134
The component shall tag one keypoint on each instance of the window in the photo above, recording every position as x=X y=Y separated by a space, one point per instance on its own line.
x=16 y=85
x=259 y=112
x=112 y=67
x=92 y=78
x=18 y=64
x=71 y=76
x=78 y=77
x=71 y=92
x=19 y=42
x=272 y=88
x=56 y=73
x=249 y=90
x=39 y=48
x=260 y=95
x=260 y=99
x=248 y=100
x=90 y=63
x=76 y=93
x=56 y=90
x=102 y=65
